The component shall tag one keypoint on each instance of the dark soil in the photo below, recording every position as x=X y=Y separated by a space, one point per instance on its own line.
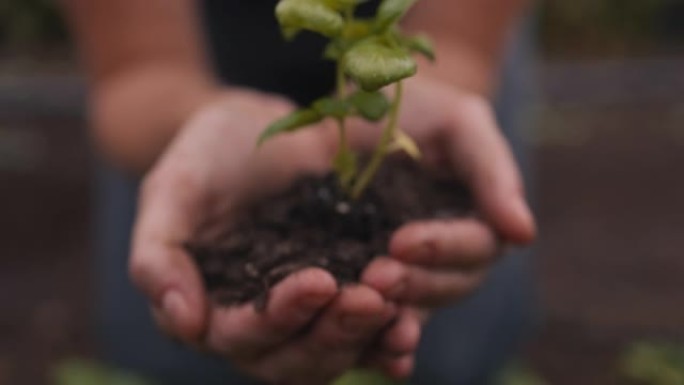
x=314 y=224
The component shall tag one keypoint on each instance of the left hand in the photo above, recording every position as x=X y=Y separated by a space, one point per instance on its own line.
x=435 y=263
x=309 y=332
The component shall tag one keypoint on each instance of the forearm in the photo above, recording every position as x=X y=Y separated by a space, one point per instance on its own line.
x=470 y=37
x=147 y=70
x=135 y=115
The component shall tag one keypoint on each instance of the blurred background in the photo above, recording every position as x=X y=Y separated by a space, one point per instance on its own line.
x=608 y=139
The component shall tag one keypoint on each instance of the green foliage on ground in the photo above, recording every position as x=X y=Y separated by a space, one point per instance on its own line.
x=364 y=377
x=515 y=374
x=652 y=363
x=519 y=374
x=83 y=372
x=80 y=372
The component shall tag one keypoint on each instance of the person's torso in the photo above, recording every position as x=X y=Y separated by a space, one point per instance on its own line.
x=249 y=50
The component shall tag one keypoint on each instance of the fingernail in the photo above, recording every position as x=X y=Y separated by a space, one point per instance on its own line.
x=174 y=305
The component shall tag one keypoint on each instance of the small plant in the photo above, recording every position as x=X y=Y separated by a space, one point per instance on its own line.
x=370 y=54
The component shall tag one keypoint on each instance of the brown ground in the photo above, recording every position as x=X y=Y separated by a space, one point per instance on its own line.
x=612 y=215
x=610 y=208
x=44 y=204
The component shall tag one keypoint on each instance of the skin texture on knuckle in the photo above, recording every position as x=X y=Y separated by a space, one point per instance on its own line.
x=449 y=244
x=437 y=289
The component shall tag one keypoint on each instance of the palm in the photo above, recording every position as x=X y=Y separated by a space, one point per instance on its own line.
x=205 y=178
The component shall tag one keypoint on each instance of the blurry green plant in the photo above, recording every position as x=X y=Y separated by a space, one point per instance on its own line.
x=81 y=372
x=364 y=377
x=514 y=374
x=370 y=54
x=651 y=363
x=29 y=22
x=518 y=374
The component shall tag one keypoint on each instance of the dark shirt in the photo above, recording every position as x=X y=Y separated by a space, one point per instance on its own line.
x=249 y=50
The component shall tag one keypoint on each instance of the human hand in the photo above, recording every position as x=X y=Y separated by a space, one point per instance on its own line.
x=310 y=332
x=435 y=263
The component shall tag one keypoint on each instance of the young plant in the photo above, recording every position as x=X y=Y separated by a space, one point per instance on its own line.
x=369 y=54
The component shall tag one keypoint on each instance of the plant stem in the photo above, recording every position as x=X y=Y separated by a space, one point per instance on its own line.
x=343 y=150
x=381 y=150
x=341 y=95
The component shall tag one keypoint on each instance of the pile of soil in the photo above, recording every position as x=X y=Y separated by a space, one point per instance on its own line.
x=314 y=224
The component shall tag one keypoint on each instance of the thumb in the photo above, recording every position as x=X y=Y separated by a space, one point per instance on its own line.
x=162 y=269
x=173 y=286
x=479 y=152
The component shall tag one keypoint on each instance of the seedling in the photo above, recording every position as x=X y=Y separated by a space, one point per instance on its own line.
x=370 y=54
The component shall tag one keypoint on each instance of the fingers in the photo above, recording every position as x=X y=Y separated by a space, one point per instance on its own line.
x=479 y=152
x=430 y=288
x=244 y=333
x=171 y=281
x=401 y=368
x=336 y=341
x=402 y=337
x=351 y=321
x=396 y=368
x=448 y=244
x=419 y=286
x=434 y=262
x=395 y=350
x=161 y=268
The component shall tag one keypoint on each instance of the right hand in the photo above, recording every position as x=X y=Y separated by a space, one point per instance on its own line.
x=310 y=332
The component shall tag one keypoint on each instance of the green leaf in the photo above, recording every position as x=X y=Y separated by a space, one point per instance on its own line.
x=331 y=107
x=370 y=105
x=293 y=122
x=390 y=12
x=421 y=44
x=374 y=65
x=312 y=15
x=353 y=31
x=342 y=5
x=356 y=30
x=333 y=51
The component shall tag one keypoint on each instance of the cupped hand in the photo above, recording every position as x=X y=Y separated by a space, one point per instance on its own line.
x=310 y=331
x=435 y=263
